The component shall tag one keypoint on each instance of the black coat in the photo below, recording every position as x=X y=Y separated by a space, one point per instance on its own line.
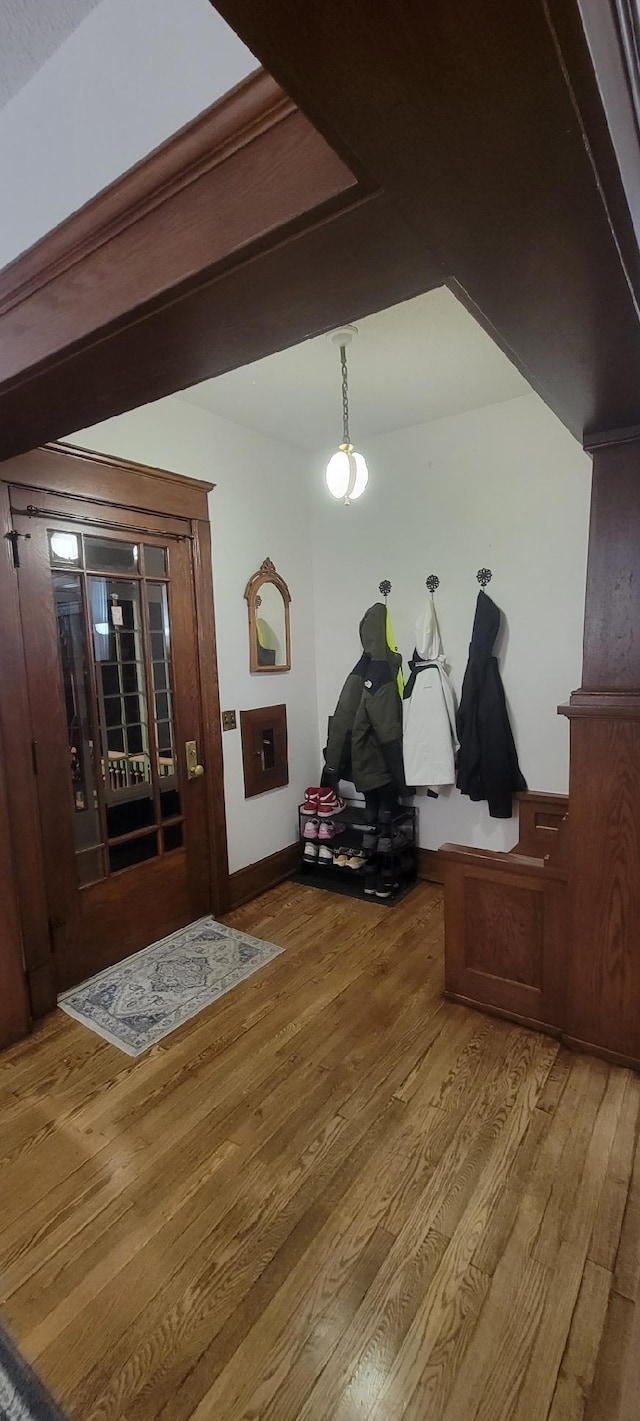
x=488 y=764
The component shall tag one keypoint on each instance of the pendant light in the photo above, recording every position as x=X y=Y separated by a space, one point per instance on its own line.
x=346 y=474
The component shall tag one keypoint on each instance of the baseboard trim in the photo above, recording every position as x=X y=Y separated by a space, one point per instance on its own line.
x=529 y=1022
x=258 y=877
x=615 y=1058
x=430 y=867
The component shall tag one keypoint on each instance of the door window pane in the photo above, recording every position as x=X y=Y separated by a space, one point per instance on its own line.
x=132 y=852
x=76 y=680
x=155 y=561
x=172 y=837
x=158 y=605
x=122 y=702
x=109 y=555
x=65 y=550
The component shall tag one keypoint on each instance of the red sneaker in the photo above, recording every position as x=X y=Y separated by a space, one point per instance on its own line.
x=328 y=804
x=310 y=803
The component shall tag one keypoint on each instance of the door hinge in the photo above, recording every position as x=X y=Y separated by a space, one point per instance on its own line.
x=34 y=757
x=13 y=537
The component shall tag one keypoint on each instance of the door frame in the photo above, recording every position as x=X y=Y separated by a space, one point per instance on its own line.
x=65 y=470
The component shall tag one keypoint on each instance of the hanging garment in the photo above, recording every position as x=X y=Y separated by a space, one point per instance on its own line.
x=488 y=764
x=365 y=732
x=430 y=740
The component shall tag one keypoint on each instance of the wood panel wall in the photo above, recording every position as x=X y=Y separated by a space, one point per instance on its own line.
x=603 y=986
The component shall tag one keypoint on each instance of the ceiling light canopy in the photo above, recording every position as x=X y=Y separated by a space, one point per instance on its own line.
x=346 y=474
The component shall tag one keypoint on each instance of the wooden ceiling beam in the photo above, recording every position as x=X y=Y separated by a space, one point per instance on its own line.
x=466 y=117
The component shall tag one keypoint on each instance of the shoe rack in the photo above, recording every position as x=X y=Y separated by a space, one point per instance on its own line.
x=350 y=855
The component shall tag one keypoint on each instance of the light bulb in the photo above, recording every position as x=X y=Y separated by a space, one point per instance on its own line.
x=362 y=476
x=347 y=474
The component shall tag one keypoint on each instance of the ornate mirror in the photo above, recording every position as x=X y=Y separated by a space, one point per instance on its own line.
x=268 y=601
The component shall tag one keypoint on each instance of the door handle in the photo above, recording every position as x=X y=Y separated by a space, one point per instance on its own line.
x=194 y=770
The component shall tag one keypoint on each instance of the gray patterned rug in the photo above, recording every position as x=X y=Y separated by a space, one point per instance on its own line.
x=142 y=999
x=22 y=1396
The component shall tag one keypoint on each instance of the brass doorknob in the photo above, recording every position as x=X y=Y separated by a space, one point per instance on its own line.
x=194 y=770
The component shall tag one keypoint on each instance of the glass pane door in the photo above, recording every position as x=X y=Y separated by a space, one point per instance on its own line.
x=112 y=607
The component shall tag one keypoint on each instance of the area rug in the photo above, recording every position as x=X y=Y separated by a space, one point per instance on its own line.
x=22 y=1396
x=144 y=998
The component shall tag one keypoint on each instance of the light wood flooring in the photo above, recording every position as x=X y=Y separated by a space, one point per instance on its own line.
x=331 y=1197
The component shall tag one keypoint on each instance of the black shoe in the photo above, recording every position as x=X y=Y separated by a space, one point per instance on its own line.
x=385 y=886
x=370 y=879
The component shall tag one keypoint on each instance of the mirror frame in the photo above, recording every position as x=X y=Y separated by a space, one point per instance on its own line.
x=267 y=573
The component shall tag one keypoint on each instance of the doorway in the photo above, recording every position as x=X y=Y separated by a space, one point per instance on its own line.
x=108 y=610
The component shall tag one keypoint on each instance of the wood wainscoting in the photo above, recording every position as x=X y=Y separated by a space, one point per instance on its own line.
x=506 y=920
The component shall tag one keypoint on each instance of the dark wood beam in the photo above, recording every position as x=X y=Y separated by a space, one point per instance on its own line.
x=337 y=270
x=244 y=233
x=466 y=116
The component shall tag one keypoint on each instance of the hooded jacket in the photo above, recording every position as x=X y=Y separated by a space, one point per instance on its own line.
x=488 y=764
x=430 y=740
x=365 y=732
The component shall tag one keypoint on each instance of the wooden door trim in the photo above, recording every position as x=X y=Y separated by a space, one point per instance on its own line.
x=73 y=472
x=153 y=491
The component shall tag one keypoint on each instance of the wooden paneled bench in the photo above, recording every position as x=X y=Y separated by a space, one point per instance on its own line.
x=506 y=919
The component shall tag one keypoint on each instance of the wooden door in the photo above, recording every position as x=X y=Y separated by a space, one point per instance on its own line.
x=111 y=654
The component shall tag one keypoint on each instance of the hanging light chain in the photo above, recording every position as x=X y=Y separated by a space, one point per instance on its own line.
x=345 y=395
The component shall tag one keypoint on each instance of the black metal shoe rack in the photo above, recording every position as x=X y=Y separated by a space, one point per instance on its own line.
x=395 y=867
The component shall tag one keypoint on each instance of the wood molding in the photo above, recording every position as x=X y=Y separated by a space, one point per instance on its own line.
x=238 y=118
x=608 y=438
x=531 y=1023
x=83 y=473
x=602 y=705
x=615 y=1058
x=210 y=709
x=279 y=177
x=14 y=1002
x=248 y=883
x=362 y=259
x=430 y=867
x=22 y=801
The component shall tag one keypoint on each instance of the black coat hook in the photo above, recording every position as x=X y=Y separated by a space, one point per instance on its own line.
x=385 y=588
x=432 y=582
x=484 y=576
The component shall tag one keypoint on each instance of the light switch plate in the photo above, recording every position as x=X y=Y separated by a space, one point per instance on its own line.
x=229 y=720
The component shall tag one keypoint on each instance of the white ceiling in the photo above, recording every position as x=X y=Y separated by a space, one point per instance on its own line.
x=415 y=362
x=30 y=32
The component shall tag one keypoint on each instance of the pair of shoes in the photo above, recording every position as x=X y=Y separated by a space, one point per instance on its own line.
x=349 y=858
x=317 y=853
x=321 y=803
x=385 y=886
x=324 y=831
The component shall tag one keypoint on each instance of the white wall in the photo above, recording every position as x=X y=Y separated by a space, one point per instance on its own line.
x=258 y=509
x=131 y=75
x=504 y=487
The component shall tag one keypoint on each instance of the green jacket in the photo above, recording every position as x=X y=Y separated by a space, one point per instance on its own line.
x=365 y=731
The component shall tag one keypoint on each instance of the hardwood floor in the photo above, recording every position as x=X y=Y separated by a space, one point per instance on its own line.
x=331 y=1196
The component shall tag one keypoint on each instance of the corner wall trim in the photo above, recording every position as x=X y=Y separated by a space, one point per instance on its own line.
x=430 y=867
x=256 y=878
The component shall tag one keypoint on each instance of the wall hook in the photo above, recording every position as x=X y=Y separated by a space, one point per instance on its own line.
x=432 y=582
x=484 y=576
x=385 y=588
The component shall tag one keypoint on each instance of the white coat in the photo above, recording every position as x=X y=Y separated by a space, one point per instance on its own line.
x=430 y=742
